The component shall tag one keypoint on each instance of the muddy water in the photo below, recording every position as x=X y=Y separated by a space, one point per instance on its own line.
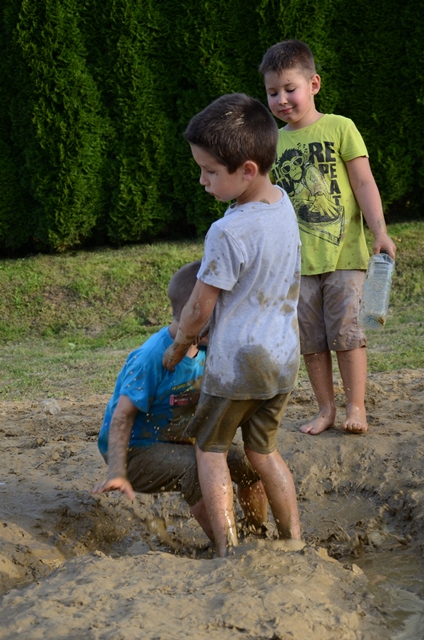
x=371 y=539
x=396 y=579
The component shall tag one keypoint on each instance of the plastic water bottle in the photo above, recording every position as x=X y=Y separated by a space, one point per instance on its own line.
x=376 y=292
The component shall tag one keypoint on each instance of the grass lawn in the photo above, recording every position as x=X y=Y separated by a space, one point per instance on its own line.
x=73 y=318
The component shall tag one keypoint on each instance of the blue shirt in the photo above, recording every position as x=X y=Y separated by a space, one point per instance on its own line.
x=165 y=400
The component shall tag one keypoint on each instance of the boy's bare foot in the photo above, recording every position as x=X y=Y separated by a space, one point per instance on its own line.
x=319 y=424
x=356 y=420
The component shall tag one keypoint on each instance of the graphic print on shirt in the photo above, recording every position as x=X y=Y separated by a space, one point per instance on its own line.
x=308 y=175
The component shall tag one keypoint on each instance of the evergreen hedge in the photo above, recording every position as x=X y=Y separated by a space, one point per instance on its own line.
x=95 y=97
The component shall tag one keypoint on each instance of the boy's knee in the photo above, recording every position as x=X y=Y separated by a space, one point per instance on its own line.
x=256 y=457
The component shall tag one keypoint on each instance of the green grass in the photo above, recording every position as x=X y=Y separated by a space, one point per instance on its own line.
x=91 y=298
x=401 y=343
x=67 y=322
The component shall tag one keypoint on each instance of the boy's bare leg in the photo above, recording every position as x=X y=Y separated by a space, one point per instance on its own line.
x=199 y=511
x=320 y=371
x=217 y=491
x=353 y=369
x=280 y=490
x=254 y=503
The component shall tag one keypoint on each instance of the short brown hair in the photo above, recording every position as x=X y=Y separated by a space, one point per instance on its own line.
x=236 y=128
x=181 y=285
x=288 y=54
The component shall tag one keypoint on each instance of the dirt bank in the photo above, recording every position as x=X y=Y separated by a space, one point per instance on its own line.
x=73 y=565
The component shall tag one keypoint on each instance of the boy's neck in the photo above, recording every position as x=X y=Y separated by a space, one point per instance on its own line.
x=260 y=189
x=311 y=117
x=173 y=328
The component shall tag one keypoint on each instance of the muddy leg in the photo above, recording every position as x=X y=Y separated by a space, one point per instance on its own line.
x=320 y=371
x=217 y=491
x=199 y=511
x=280 y=490
x=254 y=503
x=353 y=369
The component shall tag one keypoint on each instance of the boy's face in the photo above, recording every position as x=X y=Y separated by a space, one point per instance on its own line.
x=291 y=96
x=215 y=178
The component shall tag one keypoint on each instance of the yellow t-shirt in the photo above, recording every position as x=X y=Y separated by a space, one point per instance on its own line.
x=311 y=168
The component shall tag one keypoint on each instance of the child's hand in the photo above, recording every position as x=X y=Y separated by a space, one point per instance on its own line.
x=171 y=358
x=384 y=242
x=115 y=484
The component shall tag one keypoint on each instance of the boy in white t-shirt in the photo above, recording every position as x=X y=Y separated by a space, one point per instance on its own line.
x=247 y=286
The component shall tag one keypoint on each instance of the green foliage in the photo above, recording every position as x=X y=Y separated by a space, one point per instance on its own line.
x=96 y=95
x=77 y=315
x=56 y=127
x=140 y=207
x=101 y=295
x=14 y=228
x=17 y=221
x=379 y=80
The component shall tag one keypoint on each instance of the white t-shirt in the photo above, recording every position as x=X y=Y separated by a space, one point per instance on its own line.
x=253 y=255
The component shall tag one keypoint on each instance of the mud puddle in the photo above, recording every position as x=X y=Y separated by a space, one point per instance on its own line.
x=396 y=580
x=374 y=538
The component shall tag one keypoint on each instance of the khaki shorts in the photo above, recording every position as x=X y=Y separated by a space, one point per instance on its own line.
x=166 y=466
x=328 y=312
x=216 y=421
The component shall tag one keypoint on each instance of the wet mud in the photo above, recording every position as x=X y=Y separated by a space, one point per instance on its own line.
x=74 y=565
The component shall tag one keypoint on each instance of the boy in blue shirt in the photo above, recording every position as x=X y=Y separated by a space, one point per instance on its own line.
x=247 y=287
x=141 y=437
x=322 y=163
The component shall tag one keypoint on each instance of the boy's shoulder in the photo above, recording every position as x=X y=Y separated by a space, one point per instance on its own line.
x=155 y=344
x=336 y=120
x=246 y=225
x=327 y=121
x=235 y=210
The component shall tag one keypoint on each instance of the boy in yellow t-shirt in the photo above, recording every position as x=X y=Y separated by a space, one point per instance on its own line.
x=323 y=165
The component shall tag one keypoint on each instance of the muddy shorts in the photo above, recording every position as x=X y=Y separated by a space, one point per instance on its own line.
x=217 y=419
x=172 y=467
x=328 y=312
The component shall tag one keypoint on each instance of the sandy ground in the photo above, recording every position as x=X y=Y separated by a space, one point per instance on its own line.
x=77 y=566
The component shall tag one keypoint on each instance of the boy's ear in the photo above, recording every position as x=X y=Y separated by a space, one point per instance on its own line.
x=315 y=83
x=250 y=170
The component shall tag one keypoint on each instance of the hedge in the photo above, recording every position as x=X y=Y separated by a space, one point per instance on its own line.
x=95 y=97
